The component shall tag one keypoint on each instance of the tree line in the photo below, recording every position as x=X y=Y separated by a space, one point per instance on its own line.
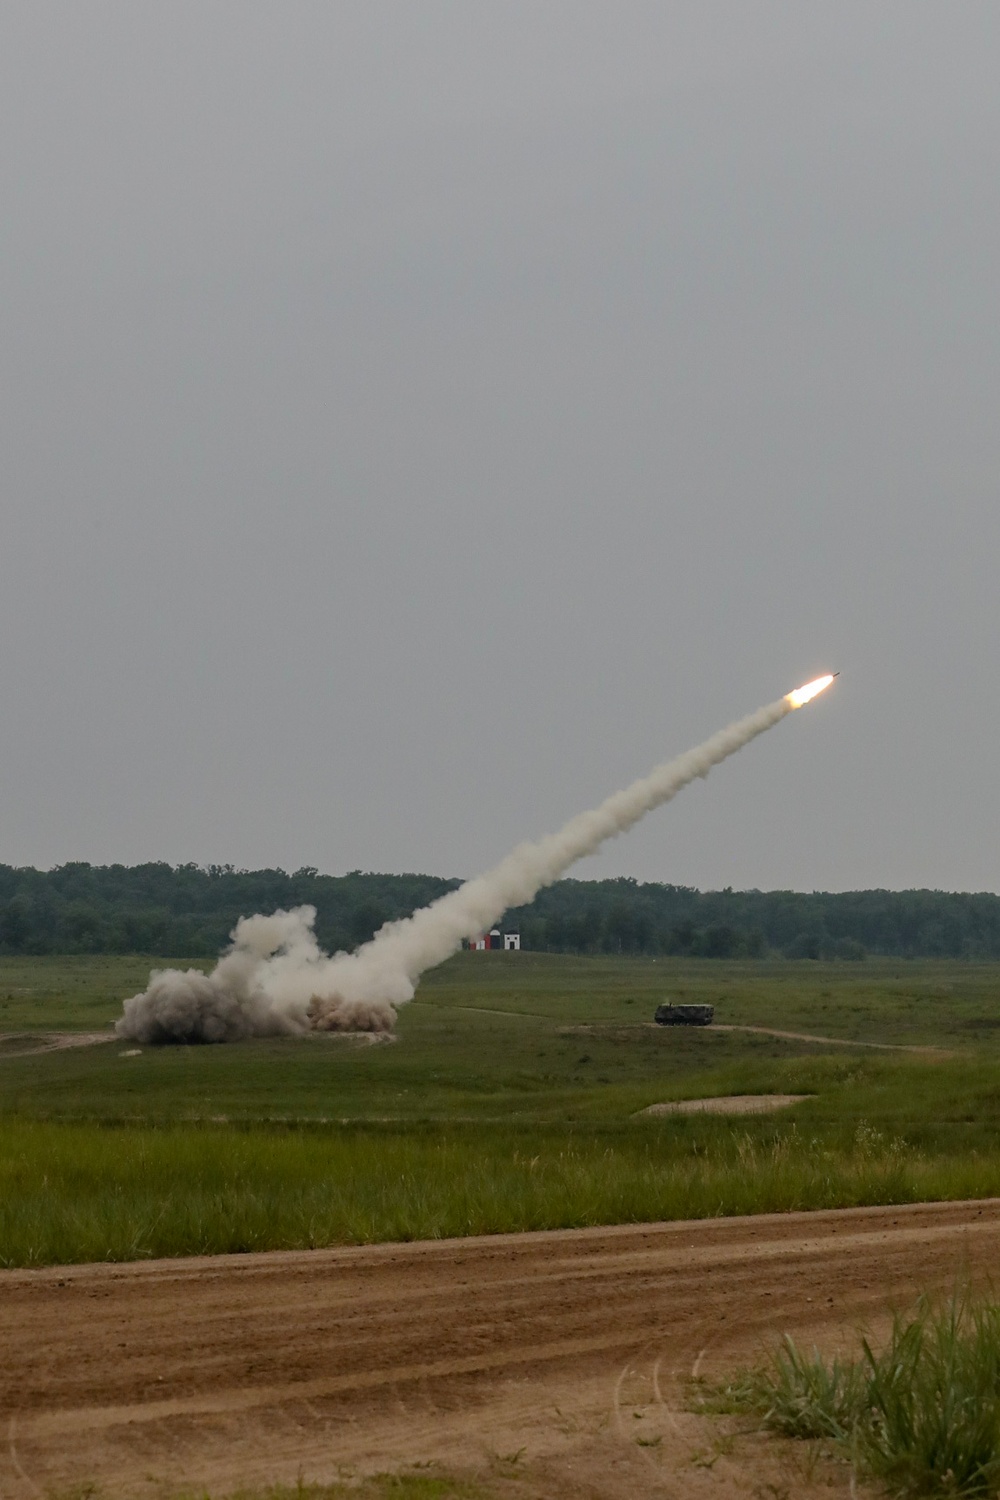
x=625 y=916
x=188 y=911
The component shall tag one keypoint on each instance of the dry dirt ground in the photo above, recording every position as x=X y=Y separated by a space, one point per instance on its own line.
x=539 y=1366
x=621 y=1029
x=727 y=1104
x=27 y=1043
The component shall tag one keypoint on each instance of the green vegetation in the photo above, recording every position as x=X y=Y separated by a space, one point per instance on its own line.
x=512 y=1100
x=922 y=1415
x=86 y=1192
x=155 y=908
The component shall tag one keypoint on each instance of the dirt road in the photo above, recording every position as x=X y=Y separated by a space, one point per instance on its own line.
x=29 y=1043
x=540 y=1364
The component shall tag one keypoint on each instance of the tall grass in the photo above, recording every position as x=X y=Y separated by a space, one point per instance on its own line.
x=922 y=1415
x=71 y=1193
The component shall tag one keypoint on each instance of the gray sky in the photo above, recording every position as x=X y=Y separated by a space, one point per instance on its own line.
x=420 y=418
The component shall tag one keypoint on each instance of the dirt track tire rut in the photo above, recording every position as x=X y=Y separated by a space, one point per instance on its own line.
x=255 y=1368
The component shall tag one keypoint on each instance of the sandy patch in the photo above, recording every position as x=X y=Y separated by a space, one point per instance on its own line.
x=31 y=1043
x=728 y=1104
x=26 y=1043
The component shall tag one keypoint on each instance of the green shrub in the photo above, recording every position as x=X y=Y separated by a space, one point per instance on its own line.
x=922 y=1415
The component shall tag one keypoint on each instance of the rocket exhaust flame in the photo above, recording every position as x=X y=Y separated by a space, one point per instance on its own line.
x=276 y=979
x=811 y=690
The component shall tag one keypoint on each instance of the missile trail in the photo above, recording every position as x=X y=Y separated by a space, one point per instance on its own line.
x=402 y=951
x=275 y=978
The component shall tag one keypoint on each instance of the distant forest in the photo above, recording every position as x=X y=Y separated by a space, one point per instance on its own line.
x=189 y=911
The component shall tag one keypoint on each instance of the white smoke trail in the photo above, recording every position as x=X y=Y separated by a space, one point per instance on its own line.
x=275 y=978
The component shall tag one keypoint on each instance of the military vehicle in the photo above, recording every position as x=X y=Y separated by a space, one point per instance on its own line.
x=684 y=1015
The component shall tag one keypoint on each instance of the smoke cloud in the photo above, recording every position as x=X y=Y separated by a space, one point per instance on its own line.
x=275 y=979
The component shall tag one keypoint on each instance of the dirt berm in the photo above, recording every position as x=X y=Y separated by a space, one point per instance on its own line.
x=536 y=1365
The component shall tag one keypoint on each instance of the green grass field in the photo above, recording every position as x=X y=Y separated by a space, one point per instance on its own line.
x=510 y=1101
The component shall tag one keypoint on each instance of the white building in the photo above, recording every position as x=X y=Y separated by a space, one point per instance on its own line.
x=510 y=942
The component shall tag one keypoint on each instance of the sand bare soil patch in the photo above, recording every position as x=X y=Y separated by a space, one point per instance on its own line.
x=623 y=1031
x=727 y=1104
x=27 y=1043
x=541 y=1365
x=831 y=1041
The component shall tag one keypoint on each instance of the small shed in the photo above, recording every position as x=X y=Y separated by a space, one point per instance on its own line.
x=510 y=942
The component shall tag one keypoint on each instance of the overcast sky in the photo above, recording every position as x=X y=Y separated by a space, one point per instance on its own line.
x=418 y=419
